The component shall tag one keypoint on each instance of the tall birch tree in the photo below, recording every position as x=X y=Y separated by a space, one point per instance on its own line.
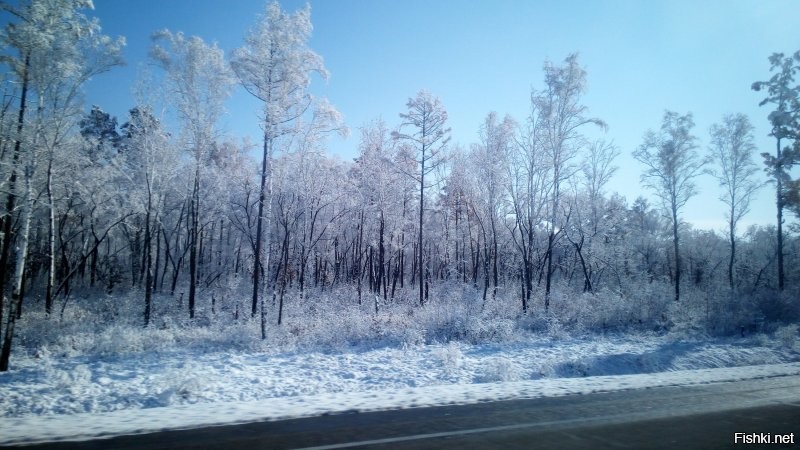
x=671 y=165
x=732 y=150
x=561 y=118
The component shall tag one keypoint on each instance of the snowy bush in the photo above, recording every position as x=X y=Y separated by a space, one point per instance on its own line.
x=761 y=340
x=498 y=369
x=180 y=387
x=787 y=335
x=572 y=368
x=451 y=357
x=334 y=320
x=68 y=380
x=412 y=337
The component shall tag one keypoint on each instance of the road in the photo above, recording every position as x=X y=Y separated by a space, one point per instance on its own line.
x=704 y=416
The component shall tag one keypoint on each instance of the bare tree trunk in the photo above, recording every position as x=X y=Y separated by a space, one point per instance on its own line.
x=381 y=257
x=12 y=181
x=732 y=232
x=194 y=225
x=676 y=249
x=51 y=240
x=148 y=282
x=19 y=268
x=262 y=221
x=419 y=242
x=494 y=250
x=587 y=278
x=529 y=265
x=284 y=280
x=93 y=260
x=549 y=270
x=779 y=201
x=486 y=256
x=357 y=250
x=402 y=249
x=157 y=267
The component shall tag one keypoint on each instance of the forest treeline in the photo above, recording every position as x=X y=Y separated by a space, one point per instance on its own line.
x=93 y=204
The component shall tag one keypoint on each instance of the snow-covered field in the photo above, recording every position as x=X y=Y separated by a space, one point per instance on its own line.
x=46 y=397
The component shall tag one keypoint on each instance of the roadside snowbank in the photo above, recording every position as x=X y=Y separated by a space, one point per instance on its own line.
x=49 y=398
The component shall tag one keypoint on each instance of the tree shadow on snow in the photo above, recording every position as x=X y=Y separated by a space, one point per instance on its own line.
x=658 y=360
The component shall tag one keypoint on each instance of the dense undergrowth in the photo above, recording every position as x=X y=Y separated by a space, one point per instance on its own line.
x=102 y=324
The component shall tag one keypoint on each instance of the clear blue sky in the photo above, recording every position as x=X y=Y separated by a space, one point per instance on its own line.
x=642 y=57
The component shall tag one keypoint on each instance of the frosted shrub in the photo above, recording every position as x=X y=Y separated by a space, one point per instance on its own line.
x=443 y=322
x=688 y=317
x=761 y=340
x=413 y=337
x=444 y=317
x=645 y=307
x=180 y=388
x=555 y=329
x=128 y=339
x=68 y=380
x=451 y=357
x=489 y=329
x=534 y=321
x=572 y=368
x=787 y=335
x=499 y=369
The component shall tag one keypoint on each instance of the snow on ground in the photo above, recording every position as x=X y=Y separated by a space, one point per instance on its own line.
x=48 y=398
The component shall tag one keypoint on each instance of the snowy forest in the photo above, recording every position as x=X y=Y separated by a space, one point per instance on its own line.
x=156 y=228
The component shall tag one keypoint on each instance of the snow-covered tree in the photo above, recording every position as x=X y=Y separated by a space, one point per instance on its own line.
x=428 y=136
x=732 y=150
x=528 y=188
x=561 y=118
x=275 y=65
x=99 y=130
x=52 y=49
x=490 y=158
x=671 y=165
x=199 y=81
x=784 y=93
x=151 y=162
x=588 y=208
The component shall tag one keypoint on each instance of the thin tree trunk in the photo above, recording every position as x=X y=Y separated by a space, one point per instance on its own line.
x=494 y=251
x=587 y=278
x=12 y=181
x=549 y=270
x=51 y=242
x=419 y=242
x=779 y=201
x=267 y=214
x=357 y=249
x=148 y=283
x=167 y=257
x=19 y=268
x=194 y=217
x=284 y=280
x=264 y=203
x=381 y=257
x=676 y=249
x=732 y=235
x=93 y=261
x=158 y=259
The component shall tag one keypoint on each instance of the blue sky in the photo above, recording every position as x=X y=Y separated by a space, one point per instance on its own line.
x=642 y=57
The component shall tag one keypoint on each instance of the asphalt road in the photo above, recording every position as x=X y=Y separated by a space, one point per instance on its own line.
x=706 y=416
